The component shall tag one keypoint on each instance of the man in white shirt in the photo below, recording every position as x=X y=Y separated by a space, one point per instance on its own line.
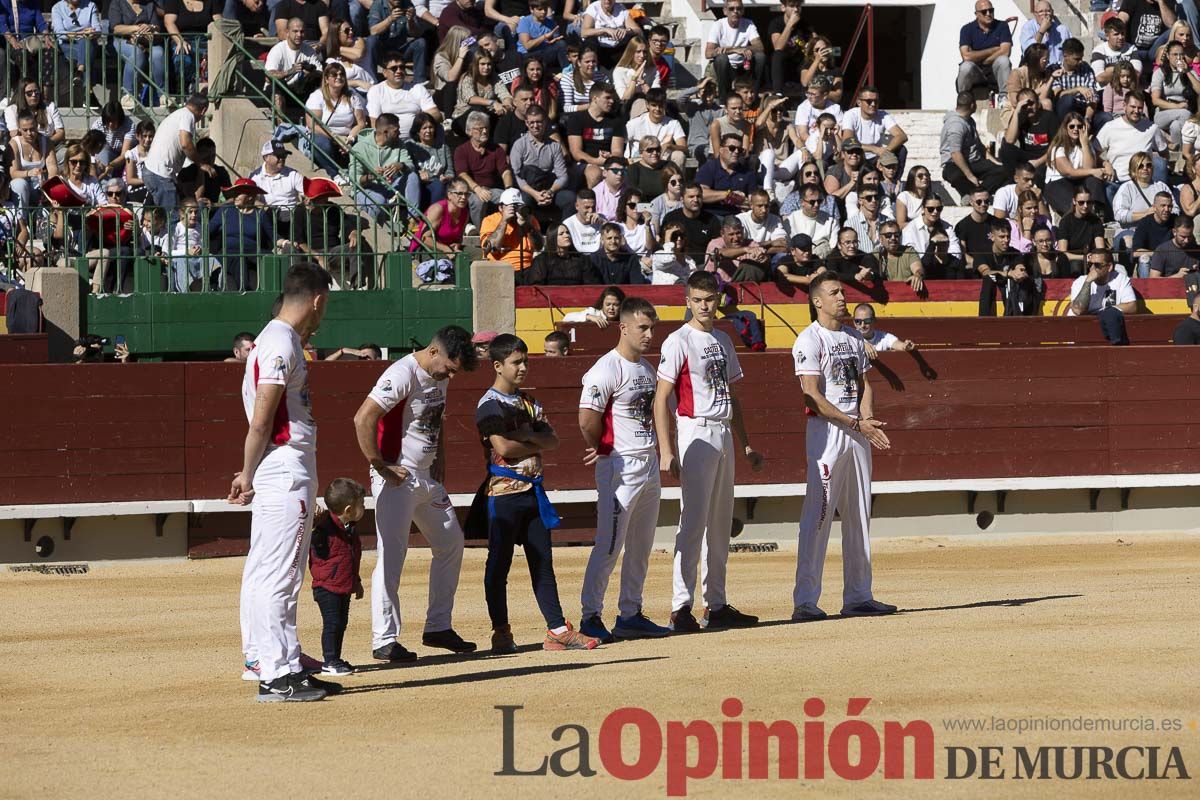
x=294 y=62
x=656 y=123
x=399 y=431
x=616 y=418
x=916 y=233
x=733 y=44
x=876 y=130
x=874 y=339
x=173 y=142
x=763 y=227
x=831 y=362
x=816 y=224
x=283 y=185
x=816 y=103
x=395 y=96
x=1130 y=133
x=609 y=25
x=584 y=225
x=1105 y=293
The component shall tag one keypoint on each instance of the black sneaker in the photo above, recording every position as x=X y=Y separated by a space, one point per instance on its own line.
x=394 y=652
x=288 y=689
x=313 y=682
x=336 y=668
x=682 y=621
x=727 y=617
x=448 y=640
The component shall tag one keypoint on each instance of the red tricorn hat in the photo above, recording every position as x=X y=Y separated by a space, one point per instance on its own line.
x=108 y=222
x=61 y=192
x=242 y=186
x=316 y=188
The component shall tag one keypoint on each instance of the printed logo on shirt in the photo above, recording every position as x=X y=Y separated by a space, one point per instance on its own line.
x=594 y=393
x=715 y=376
x=641 y=408
x=597 y=134
x=278 y=363
x=385 y=387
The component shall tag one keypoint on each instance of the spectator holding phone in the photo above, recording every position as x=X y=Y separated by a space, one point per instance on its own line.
x=1175 y=257
x=538 y=34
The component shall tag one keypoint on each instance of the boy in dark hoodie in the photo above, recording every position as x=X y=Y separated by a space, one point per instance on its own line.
x=333 y=561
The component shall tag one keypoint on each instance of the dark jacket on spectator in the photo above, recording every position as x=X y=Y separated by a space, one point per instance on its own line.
x=625 y=270
x=334 y=556
x=847 y=268
x=548 y=269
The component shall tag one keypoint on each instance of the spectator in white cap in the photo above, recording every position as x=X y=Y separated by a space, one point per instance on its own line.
x=284 y=186
x=512 y=234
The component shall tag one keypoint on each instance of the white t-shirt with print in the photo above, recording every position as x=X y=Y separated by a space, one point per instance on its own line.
x=722 y=35
x=602 y=20
x=623 y=391
x=702 y=366
x=1113 y=292
x=839 y=358
x=415 y=404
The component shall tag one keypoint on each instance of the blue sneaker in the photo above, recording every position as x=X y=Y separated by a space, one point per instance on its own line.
x=638 y=627
x=593 y=626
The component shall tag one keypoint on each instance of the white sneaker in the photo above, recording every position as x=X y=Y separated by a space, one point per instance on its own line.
x=807 y=612
x=127 y=101
x=342 y=181
x=470 y=230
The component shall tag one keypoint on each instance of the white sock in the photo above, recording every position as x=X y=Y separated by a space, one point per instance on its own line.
x=559 y=631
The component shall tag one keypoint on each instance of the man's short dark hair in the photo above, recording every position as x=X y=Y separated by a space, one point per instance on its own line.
x=391 y=56
x=1183 y=221
x=388 y=118
x=247 y=336
x=1072 y=47
x=560 y=338
x=760 y=192
x=658 y=30
x=725 y=137
x=1104 y=252
x=1025 y=168
x=455 y=342
x=821 y=280
x=1136 y=94
x=534 y=110
x=306 y=279
x=610 y=227
x=1166 y=195
x=1114 y=24
x=657 y=96
x=599 y=89
x=341 y=493
x=632 y=306
x=615 y=161
x=585 y=194
x=687 y=187
x=504 y=346
x=375 y=349
x=809 y=188
x=964 y=100
x=198 y=101
x=703 y=281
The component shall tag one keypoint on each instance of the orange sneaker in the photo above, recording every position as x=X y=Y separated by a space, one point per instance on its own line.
x=570 y=639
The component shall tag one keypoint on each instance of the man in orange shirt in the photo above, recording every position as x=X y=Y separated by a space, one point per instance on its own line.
x=512 y=233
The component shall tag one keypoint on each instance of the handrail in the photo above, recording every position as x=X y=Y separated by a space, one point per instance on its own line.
x=282 y=88
x=764 y=306
x=866 y=20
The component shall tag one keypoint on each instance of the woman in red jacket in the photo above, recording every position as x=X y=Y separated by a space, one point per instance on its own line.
x=334 y=557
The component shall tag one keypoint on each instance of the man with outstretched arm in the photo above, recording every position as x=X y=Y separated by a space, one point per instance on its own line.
x=399 y=431
x=699 y=367
x=831 y=361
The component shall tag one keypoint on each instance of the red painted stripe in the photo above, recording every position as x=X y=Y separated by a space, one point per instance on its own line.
x=892 y=292
x=683 y=392
x=281 y=431
x=608 y=436
x=389 y=433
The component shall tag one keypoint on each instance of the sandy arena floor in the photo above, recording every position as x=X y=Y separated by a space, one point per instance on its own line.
x=124 y=682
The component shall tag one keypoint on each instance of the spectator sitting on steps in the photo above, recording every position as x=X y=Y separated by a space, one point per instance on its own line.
x=965 y=164
x=985 y=46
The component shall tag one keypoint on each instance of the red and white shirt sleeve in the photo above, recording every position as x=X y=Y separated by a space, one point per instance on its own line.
x=415 y=404
x=278 y=358
x=702 y=366
x=623 y=392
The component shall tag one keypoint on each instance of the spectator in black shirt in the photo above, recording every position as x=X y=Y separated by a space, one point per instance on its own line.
x=850 y=263
x=332 y=237
x=612 y=262
x=799 y=266
x=700 y=226
x=195 y=181
x=1028 y=135
x=789 y=33
x=1188 y=330
x=595 y=133
x=1176 y=256
x=1153 y=230
x=938 y=263
x=558 y=264
x=512 y=125
x=1080 y=230
x=313 y=13
x=254 y=16
x=1021 y=294
x=974 y=231
x=1001 y=257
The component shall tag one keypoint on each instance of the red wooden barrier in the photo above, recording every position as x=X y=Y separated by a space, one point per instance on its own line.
x=109 y=432
x=588 y=338
x=24 y=348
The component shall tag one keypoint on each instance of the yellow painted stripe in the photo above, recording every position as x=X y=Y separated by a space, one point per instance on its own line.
x=783 y=322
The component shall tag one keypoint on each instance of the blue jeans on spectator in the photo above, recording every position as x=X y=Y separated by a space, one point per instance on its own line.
x=81 y=50
x=551 y=54
x=133 y=60
x=273 y=5
x=375 y=202
x=187 y=64
x=325 y=154
x=433 y=191
x=161 y=192
x=508 y=35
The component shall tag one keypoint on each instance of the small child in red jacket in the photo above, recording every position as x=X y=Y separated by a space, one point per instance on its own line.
x=333 y=561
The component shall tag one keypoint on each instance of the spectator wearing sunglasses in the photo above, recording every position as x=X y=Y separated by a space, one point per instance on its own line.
x=897 y=260
x=919 y=233
x=655 y=122
x=727 y=180
x=985 y=46
x=874 y=339
x=608 y=190
x=646 y=174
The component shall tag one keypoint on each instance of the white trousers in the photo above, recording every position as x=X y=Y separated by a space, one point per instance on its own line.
x=424 y=501
x=839 y=479
x=627 y=497
x=705 y=510
x=281 y=516
x=783 y=171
